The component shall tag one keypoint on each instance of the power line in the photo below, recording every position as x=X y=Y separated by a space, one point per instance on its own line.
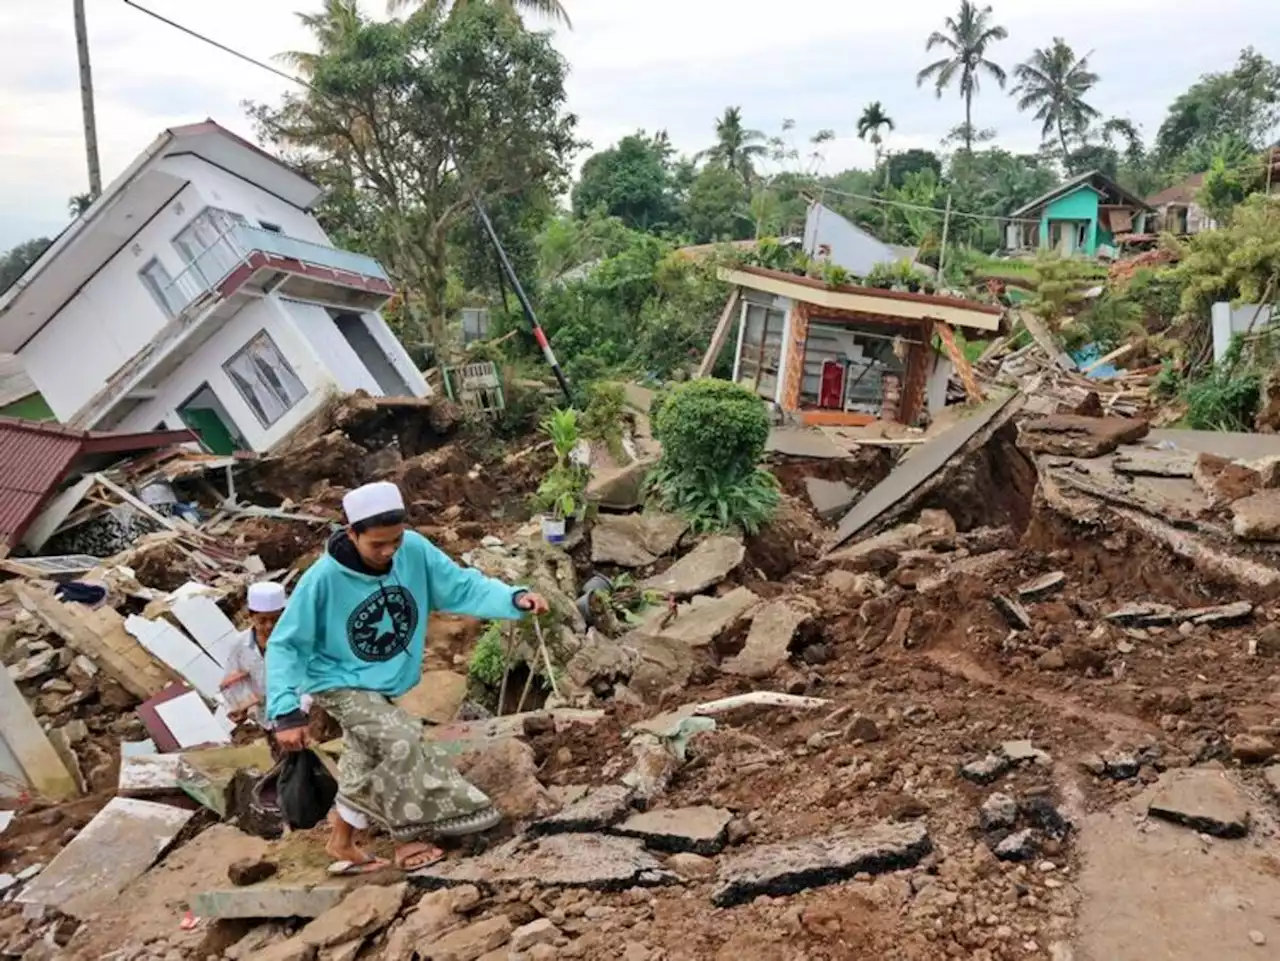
x=940 y=211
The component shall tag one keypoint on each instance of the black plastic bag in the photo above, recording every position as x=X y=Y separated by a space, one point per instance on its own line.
x=304 y=790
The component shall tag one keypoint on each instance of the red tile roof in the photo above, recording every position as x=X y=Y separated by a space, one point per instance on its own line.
x=36 y=457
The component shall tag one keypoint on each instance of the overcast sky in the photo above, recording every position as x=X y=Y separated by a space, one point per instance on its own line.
x=634 y=63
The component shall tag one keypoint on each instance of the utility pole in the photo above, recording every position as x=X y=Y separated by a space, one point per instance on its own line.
x=946 y=224
x=86 y=102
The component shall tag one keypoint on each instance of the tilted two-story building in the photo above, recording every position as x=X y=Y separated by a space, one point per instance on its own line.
x=200 y=291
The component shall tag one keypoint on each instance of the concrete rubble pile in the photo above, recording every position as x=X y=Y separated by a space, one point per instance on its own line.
x=1034 y=652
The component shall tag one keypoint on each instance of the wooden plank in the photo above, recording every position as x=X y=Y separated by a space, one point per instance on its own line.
x=721 y=333
x=1108 y=358
x=948 y=337
x=40 y=762
x=1046 y=341
x=100 y=636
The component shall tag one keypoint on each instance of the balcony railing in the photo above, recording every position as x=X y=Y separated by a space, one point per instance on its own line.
x=234 y=247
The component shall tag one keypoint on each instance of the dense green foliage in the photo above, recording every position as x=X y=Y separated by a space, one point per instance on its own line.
x=14 y=262
x=713 y=435
x=489 y=657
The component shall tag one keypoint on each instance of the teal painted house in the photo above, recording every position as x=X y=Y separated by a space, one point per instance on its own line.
x=1086 y=216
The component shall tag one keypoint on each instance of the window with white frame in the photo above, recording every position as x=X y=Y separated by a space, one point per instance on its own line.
x=208 y=245
x=264 y=379
x=157 y=280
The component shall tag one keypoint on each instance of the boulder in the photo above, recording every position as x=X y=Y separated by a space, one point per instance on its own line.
x=436 y=697
x=619 y=488
x=830 y=499
x=879 y=553
x=702 y=619
x=437 y=913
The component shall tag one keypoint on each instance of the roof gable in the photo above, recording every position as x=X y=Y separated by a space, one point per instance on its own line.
x=1098 y=181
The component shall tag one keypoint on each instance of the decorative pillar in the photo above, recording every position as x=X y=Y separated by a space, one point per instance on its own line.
x=795 y=356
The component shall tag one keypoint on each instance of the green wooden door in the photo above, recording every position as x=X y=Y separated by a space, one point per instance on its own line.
x=213 y=433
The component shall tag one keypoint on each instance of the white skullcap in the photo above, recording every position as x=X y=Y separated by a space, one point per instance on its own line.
x=371 y=500
x=266 y=597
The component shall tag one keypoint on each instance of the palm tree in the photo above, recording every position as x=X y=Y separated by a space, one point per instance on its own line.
x=967 y=38
x=552 y=10
x=339 y=21
x=736 y=146
x=869 y=124
x=1053 y=83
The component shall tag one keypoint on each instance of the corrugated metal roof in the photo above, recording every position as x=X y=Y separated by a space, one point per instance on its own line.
x=35 y=458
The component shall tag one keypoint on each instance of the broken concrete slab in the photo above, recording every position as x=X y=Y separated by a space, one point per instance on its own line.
x=803 y=442
x=1257 y=517
x=923 y=469
x=1024 y=752
x=768 y=641
x=791 y=866
x=700 y=620
x=705 y=566
x=696 y=830
x=149 y=775
x=1041 y=587
x=1203 y=799
x=437 y=697
x=1070 y=435
x=23 y=739
x=985 y=770
x=830 y=499
x=978 y=567
x=1014 y=614
x=599 y=809
x=1271 y=776
x=1147 y=462
x=635 y=540
x=597 y=861
x=1223 y=481
x=1221 y=615
x=269 y=900
x=113 y=849
x=879 y=552
x=1139 y=614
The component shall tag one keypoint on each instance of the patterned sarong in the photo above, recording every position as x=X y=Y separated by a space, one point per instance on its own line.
x=389 y=773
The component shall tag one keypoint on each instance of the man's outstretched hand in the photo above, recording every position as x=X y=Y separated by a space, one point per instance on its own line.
x=532 y=603
x=293 y=738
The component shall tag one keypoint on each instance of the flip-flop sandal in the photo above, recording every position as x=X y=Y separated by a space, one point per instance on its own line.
x=420 y=859
x=347 y=869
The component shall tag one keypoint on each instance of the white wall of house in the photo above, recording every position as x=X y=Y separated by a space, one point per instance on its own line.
x=850 y=246
x=205 y=366
x=115 y=315
x=1227 y=321
x=317 y=326
x=227 y=191
x=111 y=318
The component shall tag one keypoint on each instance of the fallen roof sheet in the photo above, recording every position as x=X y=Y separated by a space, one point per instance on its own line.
x=36 y=457
x=918 y=468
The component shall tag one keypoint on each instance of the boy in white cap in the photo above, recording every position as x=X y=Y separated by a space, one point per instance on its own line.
x=245 y=664
x=353 y=638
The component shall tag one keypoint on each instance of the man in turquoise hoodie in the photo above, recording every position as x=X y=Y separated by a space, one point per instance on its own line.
x=353 y=638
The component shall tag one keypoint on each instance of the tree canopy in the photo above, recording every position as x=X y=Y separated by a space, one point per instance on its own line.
x=1243 y=103
x=631 y=181
x=396 y=106
x=1053 y=84
x=966 y=38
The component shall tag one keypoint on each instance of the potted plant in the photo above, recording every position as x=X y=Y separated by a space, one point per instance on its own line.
x=560 y=495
